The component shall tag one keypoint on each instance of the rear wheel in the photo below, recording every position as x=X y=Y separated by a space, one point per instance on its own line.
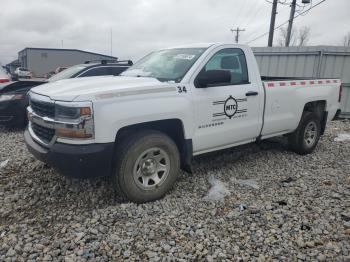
x=147 y=166
x=305 y=138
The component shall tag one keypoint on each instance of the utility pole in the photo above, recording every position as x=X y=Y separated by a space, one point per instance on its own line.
x=272 y=23
x=291 y=19
x=237 y=33
x=111 y=42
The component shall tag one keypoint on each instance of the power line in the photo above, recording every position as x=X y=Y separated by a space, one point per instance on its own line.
x=286 y=22
x=279 y=2
x=307 y=11
x=261 y=26
x=253 y=11
x=267 y=32
x=248 y=22
x=238 y=17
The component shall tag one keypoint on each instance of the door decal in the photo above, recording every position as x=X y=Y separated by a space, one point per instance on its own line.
x=230 y=107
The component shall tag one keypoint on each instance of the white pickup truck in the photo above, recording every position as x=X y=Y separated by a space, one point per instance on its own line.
x=142 y=127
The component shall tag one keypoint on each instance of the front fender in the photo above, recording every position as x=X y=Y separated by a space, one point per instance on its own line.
x=110 y=116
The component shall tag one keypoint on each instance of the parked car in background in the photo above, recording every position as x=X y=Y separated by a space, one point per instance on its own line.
x=13 y=96
x=93 y=68
x=4 y=77
x=14 y=101
x=22 y=72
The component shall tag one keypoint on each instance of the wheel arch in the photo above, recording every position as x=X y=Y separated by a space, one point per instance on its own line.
x=174 y=128
x=320 y=108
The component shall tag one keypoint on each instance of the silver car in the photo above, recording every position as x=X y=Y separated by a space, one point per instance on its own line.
x=23 y=72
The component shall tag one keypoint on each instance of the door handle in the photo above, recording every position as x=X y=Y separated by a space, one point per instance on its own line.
x=251 y=93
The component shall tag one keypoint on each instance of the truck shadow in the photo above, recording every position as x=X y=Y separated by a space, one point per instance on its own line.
x=219 y=159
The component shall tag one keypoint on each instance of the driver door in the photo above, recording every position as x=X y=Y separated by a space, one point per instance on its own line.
x=226 y=113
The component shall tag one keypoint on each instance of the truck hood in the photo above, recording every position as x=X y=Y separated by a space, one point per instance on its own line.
x=87 y=88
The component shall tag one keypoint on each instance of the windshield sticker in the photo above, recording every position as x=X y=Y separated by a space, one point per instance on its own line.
x=231 y=108
x=184 y=56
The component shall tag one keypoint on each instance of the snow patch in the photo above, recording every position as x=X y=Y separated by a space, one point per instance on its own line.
x=247 y=182
x=218 y=190
x=342 y=138
x=4 y=163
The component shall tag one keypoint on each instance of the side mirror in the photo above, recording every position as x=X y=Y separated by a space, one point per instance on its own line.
x=212 y=77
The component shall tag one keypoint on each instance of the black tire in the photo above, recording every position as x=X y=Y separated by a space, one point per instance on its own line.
x=300 y=141
x=130 y=151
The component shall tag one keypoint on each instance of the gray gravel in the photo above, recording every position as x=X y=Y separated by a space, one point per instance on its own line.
x=298 y=207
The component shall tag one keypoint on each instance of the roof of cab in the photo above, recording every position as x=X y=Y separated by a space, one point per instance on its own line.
x=205 y=45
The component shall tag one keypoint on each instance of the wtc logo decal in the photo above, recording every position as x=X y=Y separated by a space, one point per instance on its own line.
x=230 y=107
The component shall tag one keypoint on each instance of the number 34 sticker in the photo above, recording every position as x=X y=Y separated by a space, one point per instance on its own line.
x=181 y=89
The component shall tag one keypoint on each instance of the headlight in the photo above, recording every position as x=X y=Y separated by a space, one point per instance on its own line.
x=11 y=97
x=76 y=120
x=64 y=112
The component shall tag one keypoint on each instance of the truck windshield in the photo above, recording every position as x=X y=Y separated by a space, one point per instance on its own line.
x=166 y=65
x=68 y=73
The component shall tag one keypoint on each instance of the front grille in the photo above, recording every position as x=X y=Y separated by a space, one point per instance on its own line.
x=44 y=133
x=43 y=108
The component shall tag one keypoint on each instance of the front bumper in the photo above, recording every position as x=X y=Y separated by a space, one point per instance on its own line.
x=79 y=161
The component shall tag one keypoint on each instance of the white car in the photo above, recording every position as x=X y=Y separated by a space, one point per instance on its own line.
x=173 y=104
x=23 y=72
x=4 y=77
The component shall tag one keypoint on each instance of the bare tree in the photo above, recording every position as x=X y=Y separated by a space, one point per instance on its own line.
x=346 y=40
x=283 y=36
x=304 y=35
x=298 y=37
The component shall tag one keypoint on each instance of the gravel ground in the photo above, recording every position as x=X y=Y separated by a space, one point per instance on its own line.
x=255 y=203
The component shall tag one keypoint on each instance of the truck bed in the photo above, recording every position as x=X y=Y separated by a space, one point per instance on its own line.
x=284 y=81
x=286 y=97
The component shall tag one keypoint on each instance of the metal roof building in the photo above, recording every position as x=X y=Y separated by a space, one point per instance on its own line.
x=311 y=61
x=41 y=61
x=13 y=65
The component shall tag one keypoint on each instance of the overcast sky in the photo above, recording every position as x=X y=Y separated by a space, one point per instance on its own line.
x=141 y=26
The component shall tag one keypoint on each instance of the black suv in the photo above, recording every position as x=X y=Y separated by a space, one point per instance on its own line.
x=13 y=96
x=93 y=68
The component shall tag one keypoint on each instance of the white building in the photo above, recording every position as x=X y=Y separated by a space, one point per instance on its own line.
x=41 y=61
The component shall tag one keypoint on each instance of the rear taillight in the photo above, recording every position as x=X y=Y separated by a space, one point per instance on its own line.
x=4 y=80
x=340 y=92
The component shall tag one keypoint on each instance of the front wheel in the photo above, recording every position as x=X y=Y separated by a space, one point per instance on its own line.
x=305 y=138
x=147 y=166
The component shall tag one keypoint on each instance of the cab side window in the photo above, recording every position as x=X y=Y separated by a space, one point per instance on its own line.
x=232 y=60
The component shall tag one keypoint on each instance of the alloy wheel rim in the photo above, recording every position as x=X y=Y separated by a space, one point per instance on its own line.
x=310 y=134
x=151 y=168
